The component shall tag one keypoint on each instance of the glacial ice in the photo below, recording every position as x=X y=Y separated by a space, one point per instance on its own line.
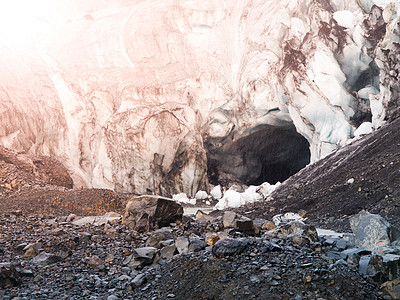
x=129 y=94
x=233 y=198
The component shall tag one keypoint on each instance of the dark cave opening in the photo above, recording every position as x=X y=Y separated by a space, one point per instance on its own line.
x=265 y=154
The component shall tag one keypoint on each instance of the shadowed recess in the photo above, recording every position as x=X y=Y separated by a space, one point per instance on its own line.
x=266 y=154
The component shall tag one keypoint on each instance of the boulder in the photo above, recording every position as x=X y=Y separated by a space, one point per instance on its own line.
x=168 y=252
x=45 y=259
x=229 y=219
x=228 y=247
x=197 y=245
x=182 y=244
x=146 y=213
x=385 y=267
x=298 y=232
x=247 y=227
x=139 y=280
x=268 y=225
x=141 y=257
x=157 y=237
x=203 y=217
x=372 y=232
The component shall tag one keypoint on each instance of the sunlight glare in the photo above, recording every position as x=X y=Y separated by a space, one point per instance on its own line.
x=21 y=21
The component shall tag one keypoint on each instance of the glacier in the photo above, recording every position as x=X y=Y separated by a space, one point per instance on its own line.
x=168 y=96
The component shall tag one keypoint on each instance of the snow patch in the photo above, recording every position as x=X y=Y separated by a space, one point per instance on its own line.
x=266 y=188
x=363 y=129
x=201 y=195
x=216 y=192
x=252 y=194
x=344 y=18
x=183 y=198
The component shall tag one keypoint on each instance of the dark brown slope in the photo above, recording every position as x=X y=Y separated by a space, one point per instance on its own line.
x=322 y=189
x=36 y=184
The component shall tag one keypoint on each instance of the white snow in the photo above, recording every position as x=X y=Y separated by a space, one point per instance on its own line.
x=344 y=18
x=183 y=198
x=365 y=92
x=251 y=195
x=216 y=192
x=266 y=188
x=201 y=195
x=363 y=129
x=233 y=198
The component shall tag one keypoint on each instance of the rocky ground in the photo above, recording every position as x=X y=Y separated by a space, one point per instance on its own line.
x=46 y=253
x=361 y=175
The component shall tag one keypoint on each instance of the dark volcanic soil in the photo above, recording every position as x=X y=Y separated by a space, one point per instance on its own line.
x=42 y=185
x=322 y=188
x=33 y=189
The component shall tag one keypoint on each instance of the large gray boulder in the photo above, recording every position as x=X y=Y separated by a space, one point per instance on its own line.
x=372 y=232
x=146 y=213
x=141 y=257
x=228 y=247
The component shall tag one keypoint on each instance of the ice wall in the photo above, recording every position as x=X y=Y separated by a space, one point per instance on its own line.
x=128 y=92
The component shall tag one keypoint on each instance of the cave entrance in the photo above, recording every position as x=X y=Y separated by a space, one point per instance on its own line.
x=264 y=154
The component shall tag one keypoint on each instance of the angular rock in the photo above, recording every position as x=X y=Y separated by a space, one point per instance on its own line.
x=110 y=231
x=32 y=250
x=348 y=253
x=203 y=217
x=182 y=244
x=212 y=238
x=157 y=237
x=229 y=247
x=247 y=227
x=141 y=257
x=31 y=253
x=298 y=232
x=168 y=252
x=268 y=225
x=110 y=217
x=139 y=280
x=150 y=212
x=197 y=245
x=45 y=259
x=229 y=219
x=384 y=267
x=371 y=231
x=363 y=264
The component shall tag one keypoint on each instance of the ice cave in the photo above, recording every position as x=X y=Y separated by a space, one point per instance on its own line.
x=265 y=154
x=171 y=96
